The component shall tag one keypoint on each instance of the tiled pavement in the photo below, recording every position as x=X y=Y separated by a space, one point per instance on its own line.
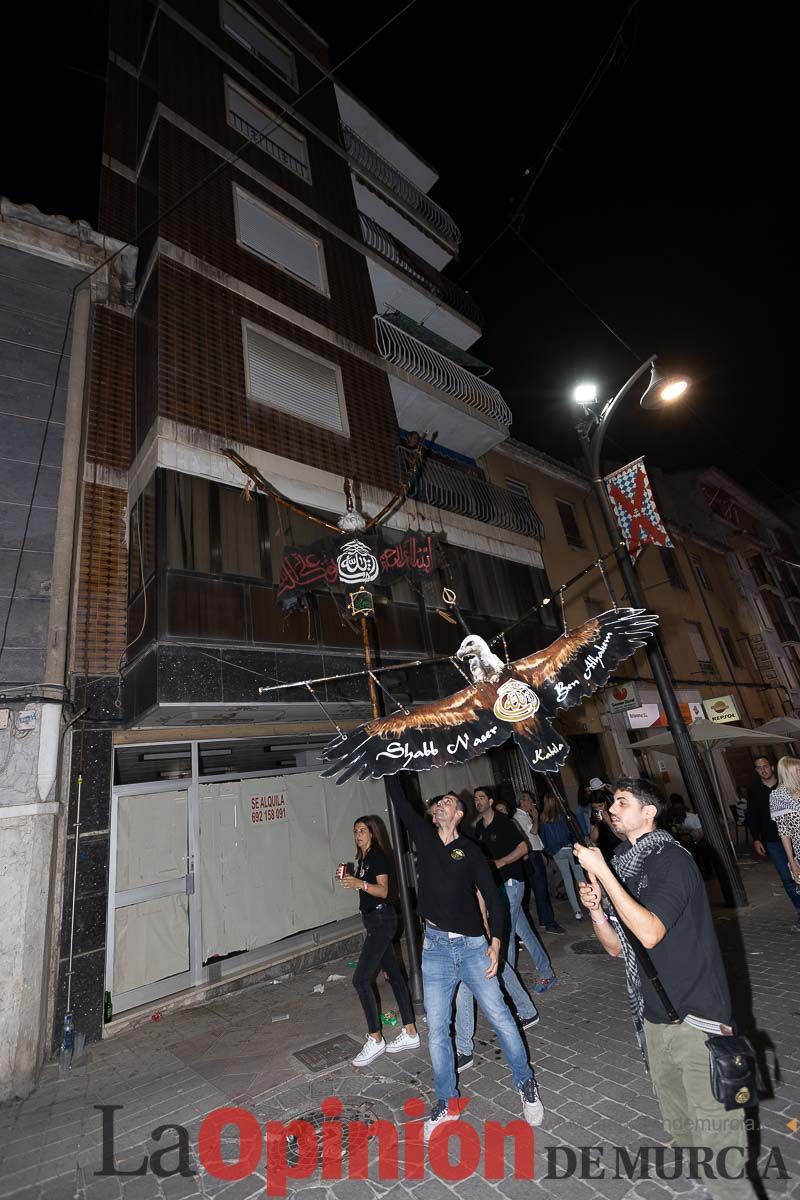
x=230 y=1052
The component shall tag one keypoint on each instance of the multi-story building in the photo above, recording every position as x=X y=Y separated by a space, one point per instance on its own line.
x=290 y=304
x=56 y=285
x=710 y=631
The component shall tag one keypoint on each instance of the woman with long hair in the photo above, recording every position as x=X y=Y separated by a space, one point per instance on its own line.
x=558 y=842
x=371 y=881
x=784 y=808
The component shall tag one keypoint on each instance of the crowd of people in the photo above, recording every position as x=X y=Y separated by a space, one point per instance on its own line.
x=637 y=874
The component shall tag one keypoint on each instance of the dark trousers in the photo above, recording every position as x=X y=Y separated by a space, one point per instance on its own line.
x=781 y=863
x=537 y=877
x=376 y=953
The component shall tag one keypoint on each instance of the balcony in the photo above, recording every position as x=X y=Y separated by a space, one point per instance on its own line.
x=427 y=364
x=468 y=494
x=375 y=168
x=404 y=259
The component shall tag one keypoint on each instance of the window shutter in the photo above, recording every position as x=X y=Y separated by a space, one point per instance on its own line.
x=270 y=127
x=257 y=42
x=292 y=382
x=281 y=243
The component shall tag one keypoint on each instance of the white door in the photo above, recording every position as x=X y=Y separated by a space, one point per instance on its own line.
x=151 y=881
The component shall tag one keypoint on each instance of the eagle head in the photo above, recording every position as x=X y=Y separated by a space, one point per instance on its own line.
x=483 y=664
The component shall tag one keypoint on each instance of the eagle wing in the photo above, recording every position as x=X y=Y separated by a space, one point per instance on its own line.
x=579 y=662
x=452 y=730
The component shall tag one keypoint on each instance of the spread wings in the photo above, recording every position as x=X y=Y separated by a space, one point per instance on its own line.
x=445 y=731
x=578 y=663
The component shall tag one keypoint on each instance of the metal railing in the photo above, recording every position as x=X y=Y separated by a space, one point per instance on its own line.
x=266 y=143
x=400 y=256
x=468 y=494
x=377 y=167
x=413 y=356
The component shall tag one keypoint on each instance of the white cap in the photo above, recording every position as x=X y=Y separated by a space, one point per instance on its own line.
x=596 y=785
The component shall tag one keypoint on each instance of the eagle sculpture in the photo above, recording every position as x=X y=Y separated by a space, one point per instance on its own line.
x=516 y=699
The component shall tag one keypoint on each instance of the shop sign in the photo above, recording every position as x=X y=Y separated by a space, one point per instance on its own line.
x=721 y=709
x=621 y=697
x=267 y=806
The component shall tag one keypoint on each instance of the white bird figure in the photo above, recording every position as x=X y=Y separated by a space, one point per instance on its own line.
x=483 y=664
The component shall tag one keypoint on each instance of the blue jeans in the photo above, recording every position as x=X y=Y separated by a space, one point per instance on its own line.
x=781 y=863
x=518 y=924
x=537 y=875
x=446 y=962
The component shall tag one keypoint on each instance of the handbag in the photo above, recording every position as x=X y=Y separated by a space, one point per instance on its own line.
x=732 y=1063
x=731 y=1059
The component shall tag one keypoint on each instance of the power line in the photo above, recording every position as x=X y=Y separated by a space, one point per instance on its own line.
x=589 y=89
x=277 y=123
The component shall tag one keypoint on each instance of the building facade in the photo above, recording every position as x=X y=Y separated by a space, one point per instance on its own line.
x=290 y=306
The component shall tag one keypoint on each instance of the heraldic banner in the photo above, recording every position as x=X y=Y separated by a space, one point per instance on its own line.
x=635 y=508
x=354 y=559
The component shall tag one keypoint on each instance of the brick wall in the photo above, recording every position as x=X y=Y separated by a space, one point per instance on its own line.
x=100 y=616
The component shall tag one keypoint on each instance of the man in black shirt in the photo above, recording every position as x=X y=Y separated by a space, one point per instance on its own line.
x=656 y=892
x=764 y=831
x=450 y=868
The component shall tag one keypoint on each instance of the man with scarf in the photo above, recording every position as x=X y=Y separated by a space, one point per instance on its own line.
x=654 y=891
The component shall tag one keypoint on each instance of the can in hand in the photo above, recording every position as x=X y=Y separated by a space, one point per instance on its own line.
x=341 y=870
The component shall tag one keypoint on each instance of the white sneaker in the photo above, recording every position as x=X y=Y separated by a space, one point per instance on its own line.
x=369 y=1051
x=578 y=916
x=440 y=1115
x=532 y=1107
x=403 y=1041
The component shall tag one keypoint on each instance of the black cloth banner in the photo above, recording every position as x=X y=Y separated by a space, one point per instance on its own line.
x=354 y=560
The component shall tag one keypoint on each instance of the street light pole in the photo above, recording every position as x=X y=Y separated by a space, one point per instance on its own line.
x=592 y=434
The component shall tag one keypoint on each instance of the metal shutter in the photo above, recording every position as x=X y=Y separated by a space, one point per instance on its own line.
x=265 y=124
x=253 y=39
x=281 y=243
x=288 y=380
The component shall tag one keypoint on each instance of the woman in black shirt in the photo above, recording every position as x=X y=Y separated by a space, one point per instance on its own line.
x=371 y=880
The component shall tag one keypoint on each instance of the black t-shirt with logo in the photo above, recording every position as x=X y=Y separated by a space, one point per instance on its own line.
x=688 y=958
x=374 y=863
x=447 y=876
x=498 y=839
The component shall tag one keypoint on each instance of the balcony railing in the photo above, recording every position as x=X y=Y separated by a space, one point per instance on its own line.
x=266 y=143
x=470 y=495
x=400 y=256
x=377 y=168
x=413 y=356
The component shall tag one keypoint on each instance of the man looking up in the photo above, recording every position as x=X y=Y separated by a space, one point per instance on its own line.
x=656 y=893
x=450 y=867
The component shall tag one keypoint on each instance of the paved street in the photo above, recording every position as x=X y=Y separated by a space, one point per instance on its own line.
x=231 y=1052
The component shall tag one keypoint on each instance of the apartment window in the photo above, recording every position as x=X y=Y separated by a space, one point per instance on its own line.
x=517 y=488
x=569 y=523
x=672 y=567
x=294 y=381
x=255 y=39
x=701 y=574
x=730 y=647
x=281 y=243
x=267 y=130
x=698 y=643
x=788 y=675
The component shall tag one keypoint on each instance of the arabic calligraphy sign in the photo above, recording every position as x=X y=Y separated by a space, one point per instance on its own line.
x=367 y=558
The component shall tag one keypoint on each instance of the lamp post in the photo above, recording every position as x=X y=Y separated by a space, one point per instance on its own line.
x=592 y=431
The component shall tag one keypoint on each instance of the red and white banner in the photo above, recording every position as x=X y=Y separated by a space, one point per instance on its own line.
x=635 y=508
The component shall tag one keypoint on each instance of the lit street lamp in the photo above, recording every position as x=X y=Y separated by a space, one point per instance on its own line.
x=660 y=391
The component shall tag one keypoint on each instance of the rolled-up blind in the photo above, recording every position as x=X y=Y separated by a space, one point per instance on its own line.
x=283 y=244
x=288 y=380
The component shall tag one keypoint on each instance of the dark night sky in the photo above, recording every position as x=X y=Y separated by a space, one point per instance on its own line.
x=661 y=208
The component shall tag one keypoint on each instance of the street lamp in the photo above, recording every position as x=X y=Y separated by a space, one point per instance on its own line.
x=592 y=429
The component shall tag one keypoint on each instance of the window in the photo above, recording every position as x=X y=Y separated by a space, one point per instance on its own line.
x=779 y=618
x=294 y=381
x=271 y=236
x=517 y=488
x=267 y=130
x=255 y=39
x=730 y=647
x=700 y=573
x=671 y=565
x=569 y=522
x=698 y=643
x=788 y=675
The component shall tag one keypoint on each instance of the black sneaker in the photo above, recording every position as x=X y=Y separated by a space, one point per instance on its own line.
x=439 y=1116
x=464 y=1062
x=531 y=1021
x=554 y=928
x=532 y=1107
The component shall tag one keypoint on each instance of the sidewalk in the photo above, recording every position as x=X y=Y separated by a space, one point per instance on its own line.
x=229 y=1052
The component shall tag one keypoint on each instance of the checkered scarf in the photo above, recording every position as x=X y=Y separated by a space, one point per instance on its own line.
x=629 y=867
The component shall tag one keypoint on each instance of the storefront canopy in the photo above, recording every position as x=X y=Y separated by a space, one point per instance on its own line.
x=708 y=733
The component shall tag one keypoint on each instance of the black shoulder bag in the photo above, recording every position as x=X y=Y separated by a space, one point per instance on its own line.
x=731 y=1058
